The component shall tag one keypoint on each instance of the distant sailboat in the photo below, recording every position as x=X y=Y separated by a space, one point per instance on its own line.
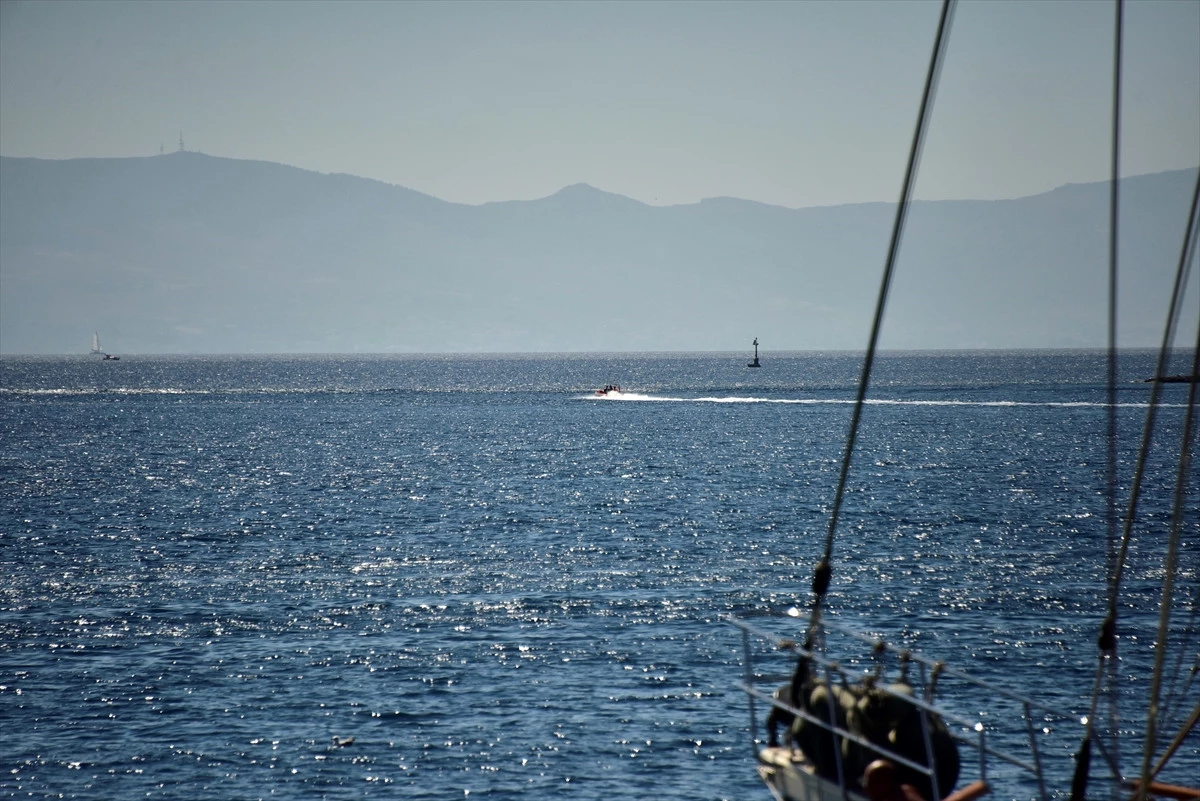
x=755 y=362
x=96 y=351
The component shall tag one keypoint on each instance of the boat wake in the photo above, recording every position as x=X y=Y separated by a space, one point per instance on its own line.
x=639 y=397
x=83 y=391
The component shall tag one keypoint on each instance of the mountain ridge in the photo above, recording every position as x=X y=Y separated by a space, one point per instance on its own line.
x=188 y=253
x=569 y=188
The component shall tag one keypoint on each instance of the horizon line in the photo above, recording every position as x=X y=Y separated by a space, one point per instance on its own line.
x=1100 y=349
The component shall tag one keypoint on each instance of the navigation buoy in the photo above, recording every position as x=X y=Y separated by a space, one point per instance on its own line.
x=755 y=362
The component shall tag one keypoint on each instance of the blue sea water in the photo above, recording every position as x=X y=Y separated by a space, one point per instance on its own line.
x=503 y=586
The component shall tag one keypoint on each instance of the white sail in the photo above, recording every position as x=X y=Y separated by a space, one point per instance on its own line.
x=96 y=342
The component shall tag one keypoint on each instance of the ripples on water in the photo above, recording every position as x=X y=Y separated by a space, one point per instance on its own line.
x=501 y=586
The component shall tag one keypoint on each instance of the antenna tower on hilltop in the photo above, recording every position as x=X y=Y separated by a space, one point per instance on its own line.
x=181 y=147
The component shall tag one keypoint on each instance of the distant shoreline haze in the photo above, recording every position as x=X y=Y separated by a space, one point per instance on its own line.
x=194 y=254
x=579 y=186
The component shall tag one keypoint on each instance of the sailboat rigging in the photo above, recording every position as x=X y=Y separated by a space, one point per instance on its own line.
x=845 y=727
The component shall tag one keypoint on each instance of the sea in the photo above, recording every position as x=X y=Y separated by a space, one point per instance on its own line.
x=462 y=576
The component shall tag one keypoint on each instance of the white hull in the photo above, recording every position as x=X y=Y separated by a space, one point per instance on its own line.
x=790 y=777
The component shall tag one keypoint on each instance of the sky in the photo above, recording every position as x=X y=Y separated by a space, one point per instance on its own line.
x=791 y=103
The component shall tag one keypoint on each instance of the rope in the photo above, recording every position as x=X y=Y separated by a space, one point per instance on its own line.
x=1184 y=731
x=1181 y=687
x=1114 y=191
x=1109 y=637
x=1177 y=297
x=824 y=570
x=1164 y=612
x=1107 y=642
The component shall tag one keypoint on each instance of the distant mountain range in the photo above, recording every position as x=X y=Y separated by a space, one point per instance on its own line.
x=186 y=253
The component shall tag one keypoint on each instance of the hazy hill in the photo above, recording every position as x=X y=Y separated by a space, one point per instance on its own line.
x=191 y=253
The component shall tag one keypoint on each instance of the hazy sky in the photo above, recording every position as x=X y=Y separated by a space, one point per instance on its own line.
x=792 y=103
